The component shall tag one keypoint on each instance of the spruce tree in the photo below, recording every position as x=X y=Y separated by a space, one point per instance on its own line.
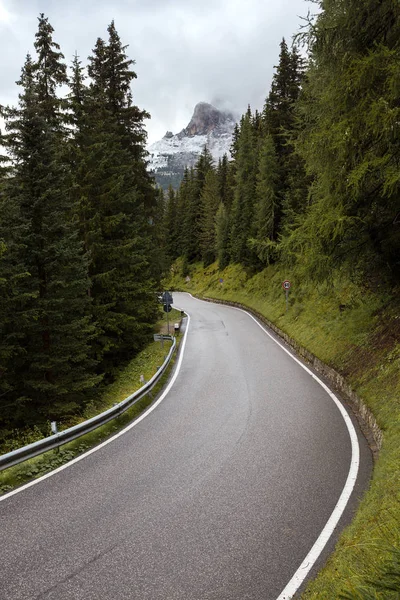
x=265 y=238
x=182 y=209
x=243 y=204
x=116 y=208
x=50 y=72
x=56 y=368
x=118 y=73
x=222 y=236
x=15 y=298
x=210 y=200
x=225 y=181
x=170 y=225
x=192 y=189
x=280 y=122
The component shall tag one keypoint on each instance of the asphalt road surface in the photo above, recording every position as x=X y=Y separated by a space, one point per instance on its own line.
x=218 y=494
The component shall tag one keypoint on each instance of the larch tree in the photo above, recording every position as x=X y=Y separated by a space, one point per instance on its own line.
x=350 y=142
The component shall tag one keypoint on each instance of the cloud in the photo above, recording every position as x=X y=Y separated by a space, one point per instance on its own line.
x=186 y=51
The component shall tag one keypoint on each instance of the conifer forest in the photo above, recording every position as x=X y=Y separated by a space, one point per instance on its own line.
x=78 y=267
x=314 y=177
x=313 y=182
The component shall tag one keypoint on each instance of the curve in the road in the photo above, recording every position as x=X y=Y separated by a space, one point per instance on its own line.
x=116 y=435
x=200 y=486
x=315 y=552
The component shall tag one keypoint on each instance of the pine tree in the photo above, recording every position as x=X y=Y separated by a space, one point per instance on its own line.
x=50 y=72
x=56 y=368
x=118 y=73
x=192 y=190
x=158 y=258
x=182 y=209
x=203 y=166
x=243 y=203
x=210 y=200
x=15 y=298
x=235 y=140
x=222 y=236
x=280 y=122
x=264 y=241
x=224 y=181
x=117 y=206
x=170 y=225
x=76 y=99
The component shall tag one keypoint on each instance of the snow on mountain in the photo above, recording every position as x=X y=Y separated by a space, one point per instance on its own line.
x=208 y=127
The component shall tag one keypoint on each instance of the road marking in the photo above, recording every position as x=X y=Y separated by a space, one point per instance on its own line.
x=313 y=555
x=114 y=437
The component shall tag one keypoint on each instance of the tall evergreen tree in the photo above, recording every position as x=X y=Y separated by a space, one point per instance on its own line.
x=15 y=298
x=192 y=188
x=170 y=225
x=50 y=72
x=210 y=200
x=225 y=181
x=349 y=141
x=280 y=122
x=118 y=74
x=222 y=236
x=265 y=238
x=243 y=203
x=183 y=209
x=56 y=368
x=116 y=212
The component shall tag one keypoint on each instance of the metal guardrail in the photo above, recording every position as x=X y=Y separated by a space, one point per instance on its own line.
x=68 y=435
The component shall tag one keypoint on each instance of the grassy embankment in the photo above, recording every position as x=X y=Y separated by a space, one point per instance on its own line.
x=126 y=382
x=357 y=332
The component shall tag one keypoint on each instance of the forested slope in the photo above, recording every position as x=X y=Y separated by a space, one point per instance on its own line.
x=78 y=231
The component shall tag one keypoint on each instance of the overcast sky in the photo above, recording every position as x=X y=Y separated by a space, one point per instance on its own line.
x=186 y=51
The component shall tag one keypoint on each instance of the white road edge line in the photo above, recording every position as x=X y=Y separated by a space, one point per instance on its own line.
x=114 y=437
x=313 y=555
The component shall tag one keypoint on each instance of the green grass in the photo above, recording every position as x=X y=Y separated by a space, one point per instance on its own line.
x=357 y=332
x=127 y=381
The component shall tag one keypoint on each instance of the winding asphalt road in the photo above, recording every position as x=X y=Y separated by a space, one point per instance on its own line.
x=218 y=494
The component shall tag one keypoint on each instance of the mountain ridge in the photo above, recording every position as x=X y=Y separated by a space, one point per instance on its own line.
x=208 y=126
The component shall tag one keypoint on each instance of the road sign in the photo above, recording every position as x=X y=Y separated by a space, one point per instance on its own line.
x=158 y=337
x=286 y=284
x=167 y=308
x=167 y=298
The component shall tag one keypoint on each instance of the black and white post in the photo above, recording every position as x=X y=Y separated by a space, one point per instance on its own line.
x=286 y=286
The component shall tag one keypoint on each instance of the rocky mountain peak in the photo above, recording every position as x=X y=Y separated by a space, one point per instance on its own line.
x=208 y=127
x=205 y=119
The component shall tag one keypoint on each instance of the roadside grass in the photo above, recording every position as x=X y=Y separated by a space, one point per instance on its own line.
x=357 y=332
x=127 y=381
